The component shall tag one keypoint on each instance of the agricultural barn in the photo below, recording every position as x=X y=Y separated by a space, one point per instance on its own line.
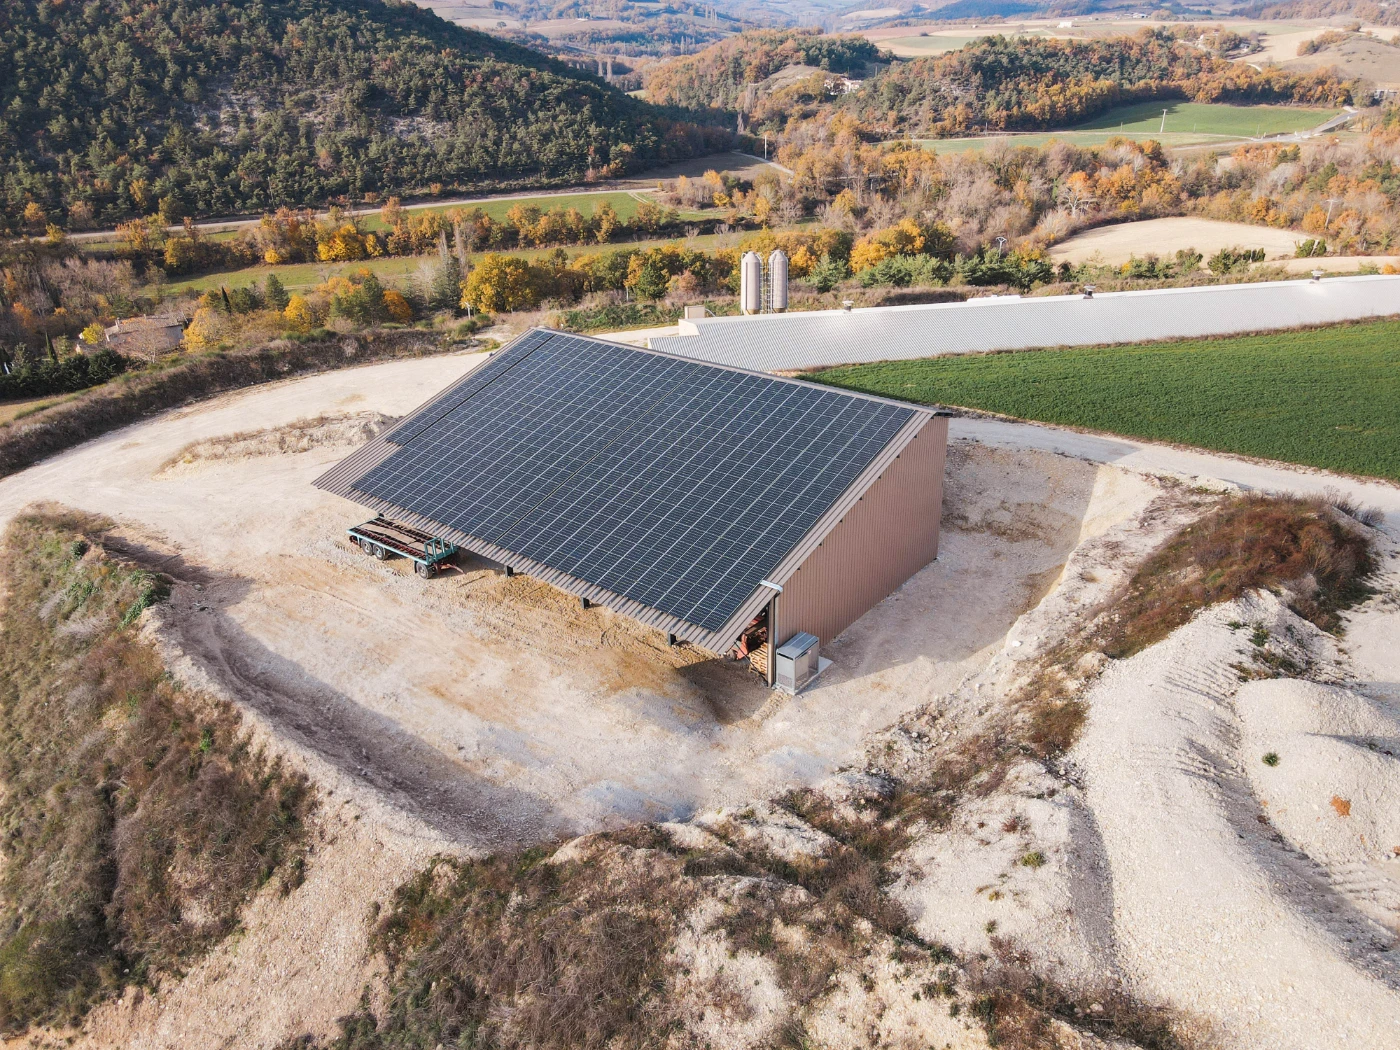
x=721 y=506
x=818 y=338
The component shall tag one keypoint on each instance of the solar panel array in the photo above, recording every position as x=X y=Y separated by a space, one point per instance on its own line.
x=674 y=483
x=460 y=391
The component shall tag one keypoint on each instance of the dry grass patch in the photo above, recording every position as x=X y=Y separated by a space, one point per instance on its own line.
x=521 y=951
x=1313 y=552
x=136 y=820
x=1301 y=548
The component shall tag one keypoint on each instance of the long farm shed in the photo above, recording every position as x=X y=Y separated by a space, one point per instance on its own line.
x=823 y=338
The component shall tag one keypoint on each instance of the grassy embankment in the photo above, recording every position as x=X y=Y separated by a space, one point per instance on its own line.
x=137 y=819
x=1187 y=124
x=1324 y=397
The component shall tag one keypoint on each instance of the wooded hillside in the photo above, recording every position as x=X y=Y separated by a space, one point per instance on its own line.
x=1028 y=84
x=719 y=76
x=116 y=108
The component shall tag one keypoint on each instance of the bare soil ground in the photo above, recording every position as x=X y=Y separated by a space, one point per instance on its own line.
x=495 y=708
x=474 y=712
x=1164 y=237
x=1357 y=56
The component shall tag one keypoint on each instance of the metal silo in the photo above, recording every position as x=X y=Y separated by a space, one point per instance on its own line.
x=751 y=283
x=778 y=280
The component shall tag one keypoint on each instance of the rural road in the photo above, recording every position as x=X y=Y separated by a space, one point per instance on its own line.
x=1254 y=475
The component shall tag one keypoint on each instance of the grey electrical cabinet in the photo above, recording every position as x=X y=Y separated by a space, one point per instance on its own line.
x=797 y=662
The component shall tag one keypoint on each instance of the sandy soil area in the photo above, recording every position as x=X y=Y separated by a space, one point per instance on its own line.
x=473 y=712
x=1275 y=928
x=1114 y=245
x=496 y=710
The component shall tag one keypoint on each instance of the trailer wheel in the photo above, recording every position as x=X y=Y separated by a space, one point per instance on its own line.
x=425 y=569
x=380 y=551
x=365 y=545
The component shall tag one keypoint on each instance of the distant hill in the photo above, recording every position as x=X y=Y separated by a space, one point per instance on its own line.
x=116 y=108
x=1003 y=84
x=727 y=75
x=995 y=83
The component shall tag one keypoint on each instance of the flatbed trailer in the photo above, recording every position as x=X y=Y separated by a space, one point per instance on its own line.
x=382 y=539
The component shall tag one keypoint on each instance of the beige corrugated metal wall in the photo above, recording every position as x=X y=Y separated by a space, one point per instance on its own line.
x=887 y=537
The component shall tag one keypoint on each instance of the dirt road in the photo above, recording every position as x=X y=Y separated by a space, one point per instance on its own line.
x=1131 y=454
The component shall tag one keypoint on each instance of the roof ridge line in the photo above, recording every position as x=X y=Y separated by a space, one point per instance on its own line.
x=756 y=372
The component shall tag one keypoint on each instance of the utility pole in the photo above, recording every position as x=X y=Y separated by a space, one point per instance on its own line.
x=1001 y=245
x=765 y=145
x=1163 y=128
x=1331 y=201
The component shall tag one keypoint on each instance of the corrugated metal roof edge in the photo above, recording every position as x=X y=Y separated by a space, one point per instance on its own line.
x=756 y=372
x=702 y=323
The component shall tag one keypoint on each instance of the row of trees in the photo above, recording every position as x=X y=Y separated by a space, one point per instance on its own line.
x=24 y=376
x=299 y=235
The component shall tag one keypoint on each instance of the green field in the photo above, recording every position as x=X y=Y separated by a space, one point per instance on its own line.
x=1325 y=397
x=394 y=269
x=1188 y=124
x=623 y=202
x=1208 y=118
x=1078 y=138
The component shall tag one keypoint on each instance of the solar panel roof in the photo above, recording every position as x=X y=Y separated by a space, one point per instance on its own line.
x=675 y=483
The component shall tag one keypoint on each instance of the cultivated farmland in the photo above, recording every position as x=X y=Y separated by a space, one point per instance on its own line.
x=1325 y=397
x=1187 y=124
x=1208 y=118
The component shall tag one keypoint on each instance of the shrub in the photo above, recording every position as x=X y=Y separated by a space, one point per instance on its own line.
x=500 y=284
x=1233 y=260
x=298 y=314
x=828 y=273
x=76 y=372
x=139 y=822
x=274 y=295
x=1299 y=547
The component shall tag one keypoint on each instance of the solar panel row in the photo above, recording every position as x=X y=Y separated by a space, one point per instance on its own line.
x=675 y=483
x=465 y=388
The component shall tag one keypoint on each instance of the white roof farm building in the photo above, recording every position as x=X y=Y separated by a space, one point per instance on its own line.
x=795 y=341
